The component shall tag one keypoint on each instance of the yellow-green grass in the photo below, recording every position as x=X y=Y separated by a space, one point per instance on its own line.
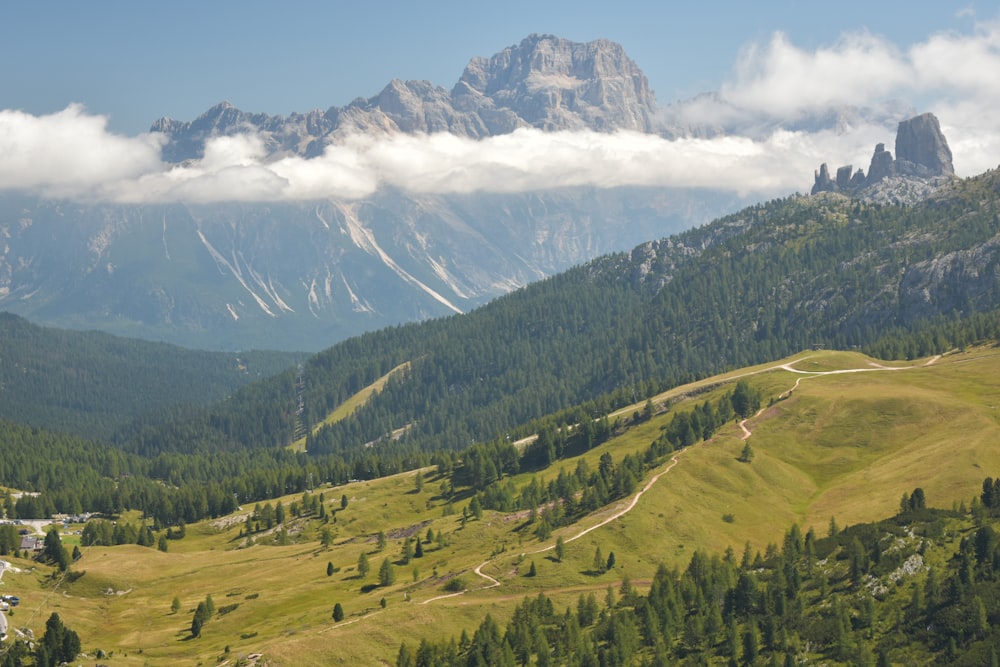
x=347 y=408
x=845 y=445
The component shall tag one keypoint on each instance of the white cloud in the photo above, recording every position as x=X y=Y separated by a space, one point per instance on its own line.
x=951 y=74
x=525 y=160
x=775 y=86
x=783 y=80
x=87 y=162
x=70 y=152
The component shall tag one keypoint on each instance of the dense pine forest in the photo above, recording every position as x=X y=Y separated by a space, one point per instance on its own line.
x=91 y=384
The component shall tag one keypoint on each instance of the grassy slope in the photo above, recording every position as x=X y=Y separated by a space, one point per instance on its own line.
x=845 y=445
x=350 y=405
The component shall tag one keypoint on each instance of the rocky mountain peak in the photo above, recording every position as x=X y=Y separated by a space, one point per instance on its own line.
x=553 y=83
x=544 y=82
x=921 y=148
x=923 y=161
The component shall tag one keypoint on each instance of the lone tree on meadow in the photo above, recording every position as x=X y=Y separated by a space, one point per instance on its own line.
x=363 y=566
x=338 y=612
x=599 y=562
x=386 y=575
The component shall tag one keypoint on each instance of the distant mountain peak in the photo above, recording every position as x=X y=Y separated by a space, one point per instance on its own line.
x=544 y=82
x=554 y=83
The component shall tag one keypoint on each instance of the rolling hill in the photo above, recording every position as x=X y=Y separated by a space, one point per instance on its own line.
x=92 y=384
x=839 y=439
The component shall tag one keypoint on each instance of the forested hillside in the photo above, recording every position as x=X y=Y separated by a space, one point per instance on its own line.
x=91 y=383
x=757 y=285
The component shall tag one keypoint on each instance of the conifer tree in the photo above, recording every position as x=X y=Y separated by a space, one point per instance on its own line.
x=386 y=574
x=599 y=562
x=363 y=566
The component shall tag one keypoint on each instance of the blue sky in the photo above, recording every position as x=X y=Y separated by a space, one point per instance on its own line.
x=136 y=61
x=81 y=82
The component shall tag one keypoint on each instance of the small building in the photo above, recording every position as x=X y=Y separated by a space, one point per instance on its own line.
x=31 y=543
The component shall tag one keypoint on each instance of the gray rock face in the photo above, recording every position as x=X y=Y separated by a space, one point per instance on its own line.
x=554 y=84
x=844 y=177
x=882 y=165
x=923 y=162
x=823 y=182
x=544 y=82
x=921 y=149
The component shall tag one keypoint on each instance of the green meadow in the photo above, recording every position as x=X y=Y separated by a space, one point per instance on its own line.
x=842 y=445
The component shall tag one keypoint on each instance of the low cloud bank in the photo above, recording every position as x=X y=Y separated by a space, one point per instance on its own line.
x=71 y=154
x=96 y=165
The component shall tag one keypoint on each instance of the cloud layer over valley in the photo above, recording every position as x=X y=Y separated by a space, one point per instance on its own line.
x=752 y=137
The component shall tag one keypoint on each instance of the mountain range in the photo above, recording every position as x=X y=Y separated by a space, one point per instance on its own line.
x=544 y=82
x=303 y=275
x=505 y=433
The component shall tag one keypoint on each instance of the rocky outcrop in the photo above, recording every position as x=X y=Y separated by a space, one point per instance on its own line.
x=921 y=149
x=544 y=82
x=923 y=161
x=554 y=84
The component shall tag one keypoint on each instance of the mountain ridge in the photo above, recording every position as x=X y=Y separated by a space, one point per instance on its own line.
x=302 y=275
x=544 y=82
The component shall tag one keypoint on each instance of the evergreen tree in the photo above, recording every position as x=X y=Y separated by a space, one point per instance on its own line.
x=386 y=574
x=338 y=612
x=201 y=616
x=599 y=562
x=363 y=566
x=54 y=552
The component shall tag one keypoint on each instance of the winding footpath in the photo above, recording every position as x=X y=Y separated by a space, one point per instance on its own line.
x=746 y=433
x=674 y=460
